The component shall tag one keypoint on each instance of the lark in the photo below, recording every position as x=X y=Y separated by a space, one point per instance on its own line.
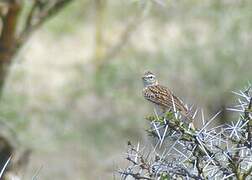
x=161 y=96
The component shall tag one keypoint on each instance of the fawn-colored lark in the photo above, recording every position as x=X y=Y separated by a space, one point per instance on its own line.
x=161 y=96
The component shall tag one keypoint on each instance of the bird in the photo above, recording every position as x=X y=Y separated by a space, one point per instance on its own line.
x=161 y=96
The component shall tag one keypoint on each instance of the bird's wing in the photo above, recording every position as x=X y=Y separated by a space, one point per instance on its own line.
x=163 y=96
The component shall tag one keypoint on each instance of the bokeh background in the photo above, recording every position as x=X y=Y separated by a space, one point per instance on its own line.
x=73 y=93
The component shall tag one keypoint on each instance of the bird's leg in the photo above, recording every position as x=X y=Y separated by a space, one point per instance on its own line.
x=163 y=110
x=159 y=111
x=191 y=126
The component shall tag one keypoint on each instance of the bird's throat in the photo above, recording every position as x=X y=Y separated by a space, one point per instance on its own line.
x=147 y=84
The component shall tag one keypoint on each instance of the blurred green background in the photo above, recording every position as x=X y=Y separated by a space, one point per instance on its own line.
x=76 y=105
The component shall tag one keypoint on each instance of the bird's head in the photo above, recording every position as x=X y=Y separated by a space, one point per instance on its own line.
x=149 y=79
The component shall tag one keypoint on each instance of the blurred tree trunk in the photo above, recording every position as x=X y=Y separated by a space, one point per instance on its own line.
x=100 y=7
x=99 y=48
x=11 y=40
x=8 y=39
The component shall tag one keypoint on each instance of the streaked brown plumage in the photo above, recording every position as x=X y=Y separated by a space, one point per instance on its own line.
x=161 y=96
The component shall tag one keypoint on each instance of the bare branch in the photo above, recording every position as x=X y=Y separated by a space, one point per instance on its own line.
x=44 y=13
x=129 y=29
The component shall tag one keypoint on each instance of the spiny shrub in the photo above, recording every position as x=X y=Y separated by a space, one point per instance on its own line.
x=183 y=152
